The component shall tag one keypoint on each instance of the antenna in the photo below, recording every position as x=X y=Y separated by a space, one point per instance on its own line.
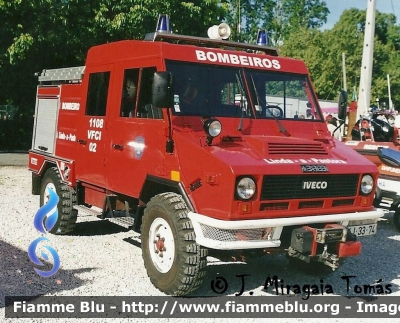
x=239 y=20
x=279 y=19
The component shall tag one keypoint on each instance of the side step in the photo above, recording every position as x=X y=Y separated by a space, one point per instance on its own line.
x=126 y=222
x=88 y=211
x=123 y=221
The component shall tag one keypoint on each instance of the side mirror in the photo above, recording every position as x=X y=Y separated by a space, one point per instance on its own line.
x=163 y=90
x=342 y=105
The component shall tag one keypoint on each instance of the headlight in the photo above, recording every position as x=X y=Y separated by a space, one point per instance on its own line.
x=212 y=127
x=367 y=184
x=245 y=188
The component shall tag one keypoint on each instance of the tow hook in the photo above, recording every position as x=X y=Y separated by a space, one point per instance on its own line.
x=325 y=245
x=328 y=259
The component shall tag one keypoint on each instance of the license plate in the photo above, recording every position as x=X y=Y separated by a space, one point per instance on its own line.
x=363 y=230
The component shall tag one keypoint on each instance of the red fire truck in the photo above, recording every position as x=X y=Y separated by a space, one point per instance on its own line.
x=201 y=145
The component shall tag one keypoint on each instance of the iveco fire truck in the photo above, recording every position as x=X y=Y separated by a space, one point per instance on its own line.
x=200 y=144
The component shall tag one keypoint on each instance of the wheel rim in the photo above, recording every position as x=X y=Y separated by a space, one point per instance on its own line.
x=161 y=245
x=46 y=194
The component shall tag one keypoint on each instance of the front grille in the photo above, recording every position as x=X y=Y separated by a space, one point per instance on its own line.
x=311 y=204
x=274 y=206
x=278 y=187
x=229 y=235
x=347 y=202
x=275 y=148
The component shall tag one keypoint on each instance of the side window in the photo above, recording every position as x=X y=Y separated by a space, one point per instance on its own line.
x=129 y=92
x=96 y=102
x=145 y=108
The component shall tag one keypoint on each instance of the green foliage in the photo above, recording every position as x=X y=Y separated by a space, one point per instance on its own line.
x=279 y=17
x=310 y=14
x=43 y=34
x=322 y=52
x=57 y=33
x=20 y=48
x=247 y=16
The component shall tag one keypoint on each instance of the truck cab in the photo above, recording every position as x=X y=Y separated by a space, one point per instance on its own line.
x=199 y=144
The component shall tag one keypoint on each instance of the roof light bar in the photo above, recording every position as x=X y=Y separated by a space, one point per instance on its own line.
x=220 y=32
x=201 y=41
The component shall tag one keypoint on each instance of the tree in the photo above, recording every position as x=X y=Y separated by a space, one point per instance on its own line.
x=310 y=14
x=279 y=17
x=133 y=19
x=311 y=47
x=57 y=33
x=247 y=16
x=45 y=34
x=322 y=52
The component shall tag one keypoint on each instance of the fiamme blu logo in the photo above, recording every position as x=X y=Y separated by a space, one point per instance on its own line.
x=44 y=220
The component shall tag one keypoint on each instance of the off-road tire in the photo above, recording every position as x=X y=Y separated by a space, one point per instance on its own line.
x=66 y=214
x=377 y=197
x=182 y=267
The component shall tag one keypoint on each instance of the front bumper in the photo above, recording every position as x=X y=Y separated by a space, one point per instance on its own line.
x=262 y=233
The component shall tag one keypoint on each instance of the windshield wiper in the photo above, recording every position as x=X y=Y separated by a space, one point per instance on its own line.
x=280 y=125
x=242 y=103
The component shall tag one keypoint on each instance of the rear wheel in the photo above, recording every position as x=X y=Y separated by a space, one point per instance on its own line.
x=175 y=263
x=66 y=214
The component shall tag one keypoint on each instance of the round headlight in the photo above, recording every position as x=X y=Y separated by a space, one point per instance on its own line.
x=246 y=188
x=212 y=127
x=367 y=184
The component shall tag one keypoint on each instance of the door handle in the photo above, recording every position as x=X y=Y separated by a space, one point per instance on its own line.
x=118 y=147
x=82 y=141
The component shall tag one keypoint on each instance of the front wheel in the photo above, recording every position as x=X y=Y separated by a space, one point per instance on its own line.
x=175 y=263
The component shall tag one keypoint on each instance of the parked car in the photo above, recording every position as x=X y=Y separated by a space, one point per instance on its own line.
x=388 y=192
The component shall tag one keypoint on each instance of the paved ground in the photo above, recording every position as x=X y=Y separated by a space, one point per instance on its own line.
x=13 y=159
x=102 y=259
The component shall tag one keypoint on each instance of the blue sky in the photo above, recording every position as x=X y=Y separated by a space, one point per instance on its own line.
x=336 y=8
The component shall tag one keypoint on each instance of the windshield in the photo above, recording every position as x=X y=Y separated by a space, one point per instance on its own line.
x=222 y=91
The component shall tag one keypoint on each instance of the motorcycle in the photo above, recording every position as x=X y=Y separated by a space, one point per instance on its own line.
x=379 y=127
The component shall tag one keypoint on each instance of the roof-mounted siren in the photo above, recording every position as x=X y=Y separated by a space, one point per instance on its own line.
x=163 y=25
x=221 y=31
x=262 y=38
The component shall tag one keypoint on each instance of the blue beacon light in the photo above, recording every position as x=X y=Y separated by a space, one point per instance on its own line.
x=163 y=24
x=262 y=38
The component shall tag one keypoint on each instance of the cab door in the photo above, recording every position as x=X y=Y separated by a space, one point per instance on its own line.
x=137 y=134
x=92 y=127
